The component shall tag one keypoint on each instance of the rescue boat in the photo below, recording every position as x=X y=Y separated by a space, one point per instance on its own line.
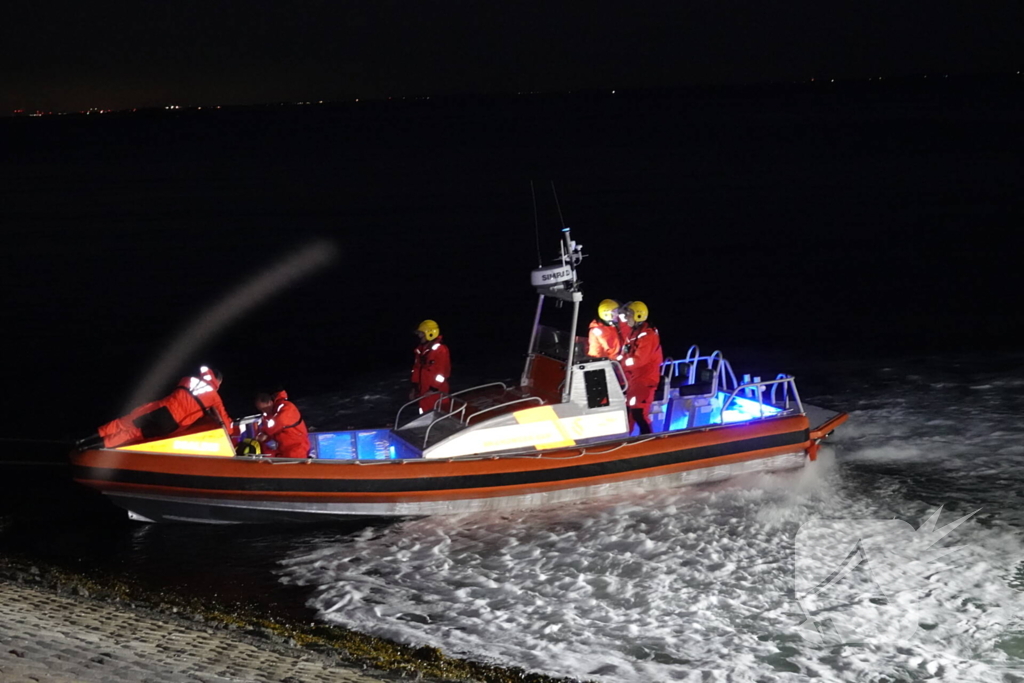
x=561 y=435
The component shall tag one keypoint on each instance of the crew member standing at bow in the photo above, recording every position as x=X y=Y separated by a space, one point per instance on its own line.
x=193 y=398
x=432 y=366
x=606 y=331
x=642 y=360
x=283 y=423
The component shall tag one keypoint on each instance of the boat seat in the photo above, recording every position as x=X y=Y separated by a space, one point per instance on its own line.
x=695 y=389
x=703 y=385
x=682 y=377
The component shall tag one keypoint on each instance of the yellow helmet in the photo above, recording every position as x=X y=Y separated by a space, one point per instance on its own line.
x=639 y=310
x=248 y=447
x=606 y=310
x=430 y=329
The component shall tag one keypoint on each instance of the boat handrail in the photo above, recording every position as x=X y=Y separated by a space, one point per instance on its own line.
x=692 y=361
x=785 y=390
x=502 y=405
x=441 y=398
x=727 y=366
x=481 y=386
x=453 y=413
x=405 y=405
x=759 y=390
x=620 y=375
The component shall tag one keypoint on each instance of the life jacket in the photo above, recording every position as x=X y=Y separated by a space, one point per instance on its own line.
x=642 y=356
x=432 y=367
x=286 y=426
x=195 y=397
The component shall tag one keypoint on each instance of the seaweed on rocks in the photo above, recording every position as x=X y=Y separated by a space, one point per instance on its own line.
x=341 y=646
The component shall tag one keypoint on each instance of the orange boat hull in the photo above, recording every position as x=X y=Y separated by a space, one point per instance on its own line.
x=163 y=487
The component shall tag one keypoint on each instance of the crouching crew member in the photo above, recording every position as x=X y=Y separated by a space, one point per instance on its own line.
x=642 y=360
x=193 y=398
x=606 y=331
x=431 y=367
x=283 y=423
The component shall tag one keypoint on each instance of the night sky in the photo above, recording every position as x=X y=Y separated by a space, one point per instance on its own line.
x=64 y=56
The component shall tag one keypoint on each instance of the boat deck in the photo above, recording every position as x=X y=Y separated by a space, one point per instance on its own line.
x=417 y=435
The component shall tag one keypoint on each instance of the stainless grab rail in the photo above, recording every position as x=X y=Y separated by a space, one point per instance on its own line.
x=787 y=379
x=785 y=389
x=502 y=405
x=441 y=398
x=426 y=435
x=481 y=386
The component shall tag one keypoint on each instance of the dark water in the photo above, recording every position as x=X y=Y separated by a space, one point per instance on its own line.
x=794 y=229
x=854 y=221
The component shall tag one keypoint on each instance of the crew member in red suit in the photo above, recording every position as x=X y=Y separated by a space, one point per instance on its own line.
x=606 y=331
x=432 y=366
x=282 y=423
x=641 y=359
x=193 y=398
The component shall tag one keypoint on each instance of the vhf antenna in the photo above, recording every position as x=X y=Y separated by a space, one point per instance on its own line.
x=557 y=204
x=536 y=225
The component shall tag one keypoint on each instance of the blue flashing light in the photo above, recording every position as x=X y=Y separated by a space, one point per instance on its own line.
x=565 y=229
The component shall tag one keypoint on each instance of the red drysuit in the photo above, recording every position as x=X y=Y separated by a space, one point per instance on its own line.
x=189 y=401
x=431 y=370
x=284 y=425
x=642 y=360
x=605 y=339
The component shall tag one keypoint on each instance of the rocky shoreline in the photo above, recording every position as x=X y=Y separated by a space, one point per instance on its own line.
x=61 y=626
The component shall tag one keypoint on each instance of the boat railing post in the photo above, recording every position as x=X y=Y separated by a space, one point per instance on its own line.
x=731 y=374
x=796 y=394
x=567 y=390
x=398 y=415
x=693 y=353
x=533 y=340
x=620 y=375
x=405 y=405
x=692 y=356
x=759 y=388
x=785 y=389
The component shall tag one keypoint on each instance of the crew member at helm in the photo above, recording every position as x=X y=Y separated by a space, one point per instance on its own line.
x=283 y=423
x=641 y=359
x=606 y=331
x=432 y=366
x=193 y=398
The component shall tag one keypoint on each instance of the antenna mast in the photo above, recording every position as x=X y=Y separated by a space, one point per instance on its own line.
x=536 y=226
